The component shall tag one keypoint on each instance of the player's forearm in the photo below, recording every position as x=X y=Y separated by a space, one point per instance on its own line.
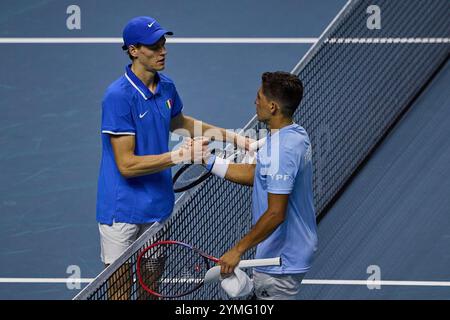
x=136 y=166
x=241 y=173
x=265 y=226
x=207 y=130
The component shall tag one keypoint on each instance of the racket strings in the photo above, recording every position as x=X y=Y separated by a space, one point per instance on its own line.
x=173 y=270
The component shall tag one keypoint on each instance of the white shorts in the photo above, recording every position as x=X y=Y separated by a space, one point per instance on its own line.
x=115 y=239
x=277 y=287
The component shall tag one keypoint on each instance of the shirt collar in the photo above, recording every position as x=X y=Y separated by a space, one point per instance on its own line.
x=284 y=128
x=139 y=85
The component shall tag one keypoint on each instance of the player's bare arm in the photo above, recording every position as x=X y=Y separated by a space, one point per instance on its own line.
x=131 y=165
x=192 y=125
x=241 y=173
x=264 y=227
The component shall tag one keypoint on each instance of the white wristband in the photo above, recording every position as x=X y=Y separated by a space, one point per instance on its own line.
x=220 y=167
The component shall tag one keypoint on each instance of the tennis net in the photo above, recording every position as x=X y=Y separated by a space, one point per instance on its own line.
x=358 y=82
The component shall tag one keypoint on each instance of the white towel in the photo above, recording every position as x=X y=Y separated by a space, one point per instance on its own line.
x=237 y=285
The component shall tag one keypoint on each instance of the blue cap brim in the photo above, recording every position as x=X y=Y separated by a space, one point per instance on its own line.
x=154 y=38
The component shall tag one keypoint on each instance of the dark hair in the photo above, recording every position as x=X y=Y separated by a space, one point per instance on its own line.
x=285 y=88
x=127 y=51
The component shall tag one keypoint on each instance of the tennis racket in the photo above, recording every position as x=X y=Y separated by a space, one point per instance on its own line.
x=192 y=174
x=172 y=269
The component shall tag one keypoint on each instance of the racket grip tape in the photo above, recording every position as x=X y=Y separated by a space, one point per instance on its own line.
x=260 y=262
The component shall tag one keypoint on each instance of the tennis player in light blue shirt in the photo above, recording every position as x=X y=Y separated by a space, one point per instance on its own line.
x=284 y=167
x=284 y=221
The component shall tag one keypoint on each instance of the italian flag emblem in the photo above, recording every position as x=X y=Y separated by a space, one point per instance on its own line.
x=169 y=103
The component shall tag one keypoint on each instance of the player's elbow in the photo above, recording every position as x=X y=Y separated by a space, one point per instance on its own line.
x=126 y=169
x=125 y=172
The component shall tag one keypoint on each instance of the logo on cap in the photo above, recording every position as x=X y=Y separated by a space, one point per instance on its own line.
x=151 y=24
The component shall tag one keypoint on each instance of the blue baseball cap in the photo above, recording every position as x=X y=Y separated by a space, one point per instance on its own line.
x=143 y=30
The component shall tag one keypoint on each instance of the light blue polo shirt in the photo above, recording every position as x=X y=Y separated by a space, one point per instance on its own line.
x=284 y=166
x=130 y=108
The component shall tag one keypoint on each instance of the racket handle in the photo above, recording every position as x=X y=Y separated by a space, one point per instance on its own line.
x=260 y=262
x=213 y=274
